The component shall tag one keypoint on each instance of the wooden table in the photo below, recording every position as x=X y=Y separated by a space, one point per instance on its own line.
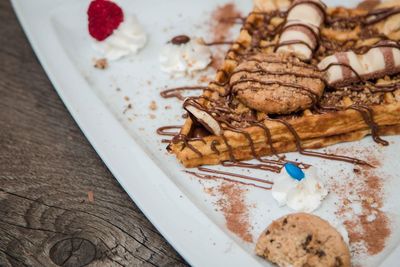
x=59 y=205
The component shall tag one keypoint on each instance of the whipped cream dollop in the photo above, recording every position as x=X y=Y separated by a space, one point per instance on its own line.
x=180 y=58
x=303 y=194
x=126 y=40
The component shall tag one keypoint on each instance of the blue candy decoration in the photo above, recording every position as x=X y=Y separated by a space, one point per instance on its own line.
x=294 y=171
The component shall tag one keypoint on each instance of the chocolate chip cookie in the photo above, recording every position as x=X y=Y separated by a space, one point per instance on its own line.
x=303 y=239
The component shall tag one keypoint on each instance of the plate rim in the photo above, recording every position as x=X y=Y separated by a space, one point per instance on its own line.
x=91 y=117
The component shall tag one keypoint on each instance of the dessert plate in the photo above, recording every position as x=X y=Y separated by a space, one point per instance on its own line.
x=210 y=223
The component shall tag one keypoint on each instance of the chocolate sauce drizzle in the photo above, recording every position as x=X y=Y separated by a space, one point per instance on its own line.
x=183 y=138
x=263 y=167
x=259 y=180
x=177 y=92
x=164 y=131
x=221 y=43
x=228 y=177
x=367 y=114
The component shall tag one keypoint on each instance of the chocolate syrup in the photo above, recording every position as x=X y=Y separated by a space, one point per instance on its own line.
x=364 y=49
x=367 y=114
x=221 y=43
x=268 y=137
x=230 y=149
x=214 y=145
x=235 y=175
x=183 y=138
x=164 y=130
x=264 y=167
x=213 y=177
x=384 y=87
x=248 y=137
x=176 y=92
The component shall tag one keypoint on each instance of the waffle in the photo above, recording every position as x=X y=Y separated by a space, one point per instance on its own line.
x=247 y=134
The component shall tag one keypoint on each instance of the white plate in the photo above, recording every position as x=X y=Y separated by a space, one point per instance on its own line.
x=174 y=202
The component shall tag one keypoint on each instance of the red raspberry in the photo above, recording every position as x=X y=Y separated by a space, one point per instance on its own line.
x=104 y=17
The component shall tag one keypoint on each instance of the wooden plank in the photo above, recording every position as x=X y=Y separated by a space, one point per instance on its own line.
x=59 y=205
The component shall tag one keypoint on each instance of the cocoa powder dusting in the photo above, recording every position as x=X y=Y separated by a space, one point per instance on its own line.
x=361 y=200
x=222 y=20
x=235 y=210
x=374 y=224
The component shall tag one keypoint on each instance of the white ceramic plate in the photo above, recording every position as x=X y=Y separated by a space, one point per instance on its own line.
x=176 y=204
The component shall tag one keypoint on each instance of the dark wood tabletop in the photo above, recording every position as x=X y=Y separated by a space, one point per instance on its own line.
x=59 y=204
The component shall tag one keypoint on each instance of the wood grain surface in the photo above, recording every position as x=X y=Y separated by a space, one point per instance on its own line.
x=59 y=205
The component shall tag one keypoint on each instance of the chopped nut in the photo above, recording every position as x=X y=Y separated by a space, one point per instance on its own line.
x=153 y=105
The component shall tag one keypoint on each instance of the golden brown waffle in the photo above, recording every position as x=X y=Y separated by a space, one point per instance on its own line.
x=316 y=129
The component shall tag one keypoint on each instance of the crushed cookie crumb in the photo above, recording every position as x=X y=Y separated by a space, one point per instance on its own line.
x=153 y=105
x=128 y=107
x=101 y=63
